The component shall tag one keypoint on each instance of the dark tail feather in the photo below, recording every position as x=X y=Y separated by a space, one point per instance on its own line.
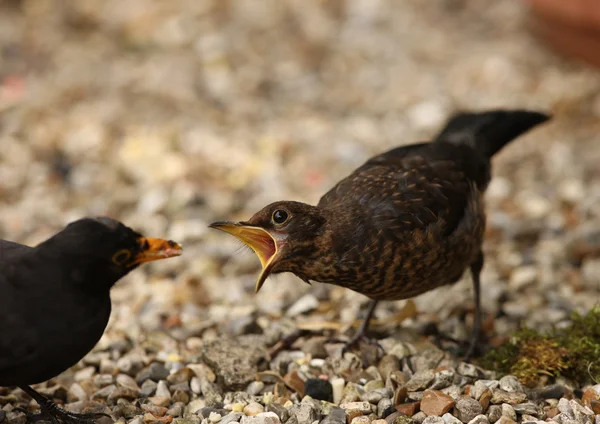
x=488 y=132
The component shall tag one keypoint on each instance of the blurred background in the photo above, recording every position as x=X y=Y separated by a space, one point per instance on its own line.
x=170 y=115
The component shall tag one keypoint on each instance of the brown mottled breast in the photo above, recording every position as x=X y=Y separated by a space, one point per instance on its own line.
x=405 y=222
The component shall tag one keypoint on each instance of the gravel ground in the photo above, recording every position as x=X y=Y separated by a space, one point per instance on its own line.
x=169 y=115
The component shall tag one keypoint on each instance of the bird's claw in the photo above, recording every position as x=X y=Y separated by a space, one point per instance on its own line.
x=58 y=415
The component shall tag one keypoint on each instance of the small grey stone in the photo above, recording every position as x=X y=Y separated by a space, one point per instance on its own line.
x=450 y=419
x=467 y=408
x=434 y=420
x=420 y=381
x=565 y=408
x=582 y=413
x=234 y=361
x=232 y=416
x=427 y=359
x=453 y=391
x=122 y=393
x=255 y=388
x=419 y=417
x=279 y=409
x=529 y=408
x=363 y=407
x=262 y=418
x=512 y=398
x=306 y=303
x=148 y=388
x=103 y=380
x=162 y=389
x=480 y=419
x=195 y=385
x=176 y=410
x=442 y=379
x=510 y=383
x=155 y=372
x=494 y=413
x=478 y=389
x=529 y=419
x=192 y=419
x=388 y=364
x=509 y=412
x=372 y=397
x=212 y=393
x=336 y=416
x=385 y=407
x=304 y=413
x=125 y=380
x=468 y=370
x=104 y=393
x=416 y=396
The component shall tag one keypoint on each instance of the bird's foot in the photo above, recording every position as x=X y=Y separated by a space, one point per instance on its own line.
x=464 y=350
x=358 y=339
x=57 y=415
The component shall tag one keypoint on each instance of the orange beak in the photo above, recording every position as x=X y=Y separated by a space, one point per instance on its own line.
x=154 y=249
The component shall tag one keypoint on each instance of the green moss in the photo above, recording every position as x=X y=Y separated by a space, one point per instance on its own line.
x=533 y=357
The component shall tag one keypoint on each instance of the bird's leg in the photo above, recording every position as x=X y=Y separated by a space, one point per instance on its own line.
x=476 y=334
x=361 y=332
x=51 y=412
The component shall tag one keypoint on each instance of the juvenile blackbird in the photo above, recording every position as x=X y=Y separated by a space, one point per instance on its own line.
x=55 y=300
x=405 y=222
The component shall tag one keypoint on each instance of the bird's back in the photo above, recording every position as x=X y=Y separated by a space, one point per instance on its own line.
x=415 y=213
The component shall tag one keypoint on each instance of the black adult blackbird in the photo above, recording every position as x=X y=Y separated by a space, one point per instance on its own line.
x=55 y=300
x=407 y=221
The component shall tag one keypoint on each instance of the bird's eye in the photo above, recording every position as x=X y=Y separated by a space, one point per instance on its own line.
x=121 y=257
x=280 y=216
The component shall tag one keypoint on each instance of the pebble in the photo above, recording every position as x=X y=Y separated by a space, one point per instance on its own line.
x=336 y=416
x=467 y=408
x=337 y=387
x=420 y=380
x=442 y=379
x=435 y=402
x=479 y=419
x=303 y=413
x=262 y=418
x=450 y=419
x=494 y=413
x=305 y=304
x=231 y=417
x=388 y=364
x=510 y=383
x=253 y=409
x=361 y=419
x=255 y=388
x=434 y=420
x=318 y=388
x=508 y=411
x=501 y=396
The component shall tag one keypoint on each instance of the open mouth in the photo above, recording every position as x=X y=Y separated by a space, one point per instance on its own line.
x=257 y=239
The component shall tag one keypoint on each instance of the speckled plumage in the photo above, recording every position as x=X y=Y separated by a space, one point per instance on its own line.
x=407 y=221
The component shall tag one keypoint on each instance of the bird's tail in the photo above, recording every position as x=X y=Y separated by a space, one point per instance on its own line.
x=490 y=131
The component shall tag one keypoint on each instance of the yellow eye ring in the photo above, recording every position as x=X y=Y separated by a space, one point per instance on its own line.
x=121 y=257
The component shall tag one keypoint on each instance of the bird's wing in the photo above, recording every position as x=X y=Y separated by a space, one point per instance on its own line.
x=407 y=188
x=17 y=340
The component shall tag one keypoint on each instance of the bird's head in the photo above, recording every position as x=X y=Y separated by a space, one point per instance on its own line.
x=282 y=235
x=105 y=249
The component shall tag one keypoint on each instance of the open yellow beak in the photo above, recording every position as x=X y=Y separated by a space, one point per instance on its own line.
x=153 y=249
x=257 y=239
